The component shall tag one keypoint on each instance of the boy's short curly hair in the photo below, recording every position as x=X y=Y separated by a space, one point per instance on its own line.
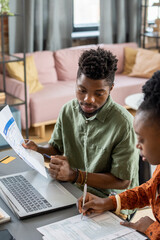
x=98 y=64
x=151 y=103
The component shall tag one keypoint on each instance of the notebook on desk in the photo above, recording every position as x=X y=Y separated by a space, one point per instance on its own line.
x=29 y=193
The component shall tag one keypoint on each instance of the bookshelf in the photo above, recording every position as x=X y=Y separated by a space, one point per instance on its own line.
x=145 y=32
x=5 y=57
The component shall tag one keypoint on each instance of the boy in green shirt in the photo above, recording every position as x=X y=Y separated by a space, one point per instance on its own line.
x=93 y=140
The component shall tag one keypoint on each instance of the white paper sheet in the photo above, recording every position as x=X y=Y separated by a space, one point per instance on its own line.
x=102 y=227
x=44 y=238
x=12 y=134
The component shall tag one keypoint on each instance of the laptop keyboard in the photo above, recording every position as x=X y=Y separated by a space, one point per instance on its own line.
x=27 y=196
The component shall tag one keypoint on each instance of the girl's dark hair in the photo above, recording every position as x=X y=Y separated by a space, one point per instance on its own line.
x=98 y=64
x=151 y=91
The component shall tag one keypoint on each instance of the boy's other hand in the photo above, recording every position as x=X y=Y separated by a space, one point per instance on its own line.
x=60 y=168
x=30 y=145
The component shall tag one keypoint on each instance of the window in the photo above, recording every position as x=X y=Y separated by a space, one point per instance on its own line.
x=153 y=10
x=86 y=15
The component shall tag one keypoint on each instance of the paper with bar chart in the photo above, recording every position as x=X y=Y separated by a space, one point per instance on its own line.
x=12 y=134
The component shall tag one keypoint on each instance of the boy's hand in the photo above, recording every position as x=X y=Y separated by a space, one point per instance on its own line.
x=30 y=145
x=60 y=169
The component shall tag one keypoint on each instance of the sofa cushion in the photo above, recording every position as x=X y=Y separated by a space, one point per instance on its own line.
x=147 y=62
x=16 y=70
x=125 y=86
x=45 y=105
x=45 y=65
x=66 y=61
x=118 y=50
x=129 y=59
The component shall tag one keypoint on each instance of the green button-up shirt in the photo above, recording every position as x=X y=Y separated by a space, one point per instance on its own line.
x=104 y=143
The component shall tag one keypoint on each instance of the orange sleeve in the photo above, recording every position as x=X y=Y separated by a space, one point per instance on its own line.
x=135 y=198
x=153 y=231
x=140 y=196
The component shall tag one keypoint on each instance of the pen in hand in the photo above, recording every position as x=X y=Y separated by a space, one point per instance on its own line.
x=84 y=197
x=47 y=156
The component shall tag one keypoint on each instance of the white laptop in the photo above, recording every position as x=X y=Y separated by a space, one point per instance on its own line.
x=29 y=193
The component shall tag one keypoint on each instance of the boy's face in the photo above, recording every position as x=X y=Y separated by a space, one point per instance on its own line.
x=148 y=134
x=91 y=94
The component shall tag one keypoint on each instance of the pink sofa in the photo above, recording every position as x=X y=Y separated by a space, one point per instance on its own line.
x=57 y=72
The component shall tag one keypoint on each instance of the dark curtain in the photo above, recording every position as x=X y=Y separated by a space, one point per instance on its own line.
x=48 y=25
x=119 y=21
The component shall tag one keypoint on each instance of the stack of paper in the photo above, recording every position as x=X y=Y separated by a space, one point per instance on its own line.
x=100 y=227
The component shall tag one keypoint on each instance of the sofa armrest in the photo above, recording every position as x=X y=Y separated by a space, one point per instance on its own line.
x=16 y=88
